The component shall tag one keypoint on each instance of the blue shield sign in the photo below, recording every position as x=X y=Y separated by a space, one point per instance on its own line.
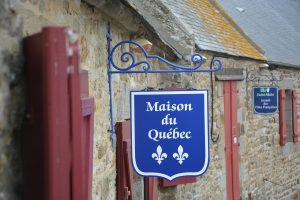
x=265 y=100
x=169 y=133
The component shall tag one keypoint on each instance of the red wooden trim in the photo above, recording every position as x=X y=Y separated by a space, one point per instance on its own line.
x=120 y=161
x=35 y=137
x=88 y=106
x=235 y=143
x=57 y=102
x=57 y=114
x=295 y=116
x=178 y=181
x=231 y=140
x=87 y=132
x=124 y=169
x=50 y=165
x=128 y=171
x=151 y=188
x=227 y=126
x=78 y=166
x=282 y=117
x=91 y=158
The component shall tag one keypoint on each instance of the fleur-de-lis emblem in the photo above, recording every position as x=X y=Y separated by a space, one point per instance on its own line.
x=180 y=156
x=159 y=156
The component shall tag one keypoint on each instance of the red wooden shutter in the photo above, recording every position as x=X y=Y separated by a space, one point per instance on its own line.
x=58 y=143
x=82 y=127
x=87 y=132
x=295 y=116
x=282 y=117
x=76 y=125
x=47 y=141
x=124 y=169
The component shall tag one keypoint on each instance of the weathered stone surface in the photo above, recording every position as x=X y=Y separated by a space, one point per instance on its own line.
x=261 y=157
x=165 y=24
x=117 y=11
x=12 y=103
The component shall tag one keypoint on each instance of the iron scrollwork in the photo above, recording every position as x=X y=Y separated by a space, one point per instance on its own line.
x=134 y=66
x=131 y=63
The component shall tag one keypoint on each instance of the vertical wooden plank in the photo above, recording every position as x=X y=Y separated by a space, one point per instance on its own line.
x=295 y=116
x=56 y=113
x=60 y=114
x=234 y=142
x=128 y=192
x=56 y=94
x=34 y=137
x=78 y=139
x=90 y=157
x=151 y=188
x=282 y=117
x=124 y=169
x=120 y=161
x=228 y=140
x=50 y=173
x=231 y=140
x=88 y=134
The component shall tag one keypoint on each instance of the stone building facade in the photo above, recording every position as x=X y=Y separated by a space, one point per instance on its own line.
x=266 y=169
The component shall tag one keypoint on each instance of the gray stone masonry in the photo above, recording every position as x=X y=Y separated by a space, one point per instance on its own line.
x=261 y=157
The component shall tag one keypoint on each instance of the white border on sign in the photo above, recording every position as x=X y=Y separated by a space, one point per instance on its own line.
x=253 y=100
x=206 y=128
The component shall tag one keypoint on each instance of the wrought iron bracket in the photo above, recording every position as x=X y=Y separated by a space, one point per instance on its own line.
x=132 y=66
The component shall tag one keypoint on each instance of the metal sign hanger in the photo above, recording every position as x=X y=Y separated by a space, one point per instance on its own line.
x=132 y=66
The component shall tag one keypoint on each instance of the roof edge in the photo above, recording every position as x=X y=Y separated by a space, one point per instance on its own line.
x=227 y=55
x=181 y=48
x=230 y=56
x=282 y=65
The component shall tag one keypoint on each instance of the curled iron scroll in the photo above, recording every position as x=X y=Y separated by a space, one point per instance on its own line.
x=130 y=61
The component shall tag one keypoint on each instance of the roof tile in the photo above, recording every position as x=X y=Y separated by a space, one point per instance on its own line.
x=211 y=30
x=271 y=24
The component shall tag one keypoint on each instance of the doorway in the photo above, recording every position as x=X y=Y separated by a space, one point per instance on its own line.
x=231 y=140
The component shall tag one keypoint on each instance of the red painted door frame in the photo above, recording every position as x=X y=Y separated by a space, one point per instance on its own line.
x=231 y=140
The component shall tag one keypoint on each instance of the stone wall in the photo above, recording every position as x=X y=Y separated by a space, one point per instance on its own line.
x=11 y=101
x=263 y=163
x=260 y=155
x=22 y=18
x=262 y=159
x=26 y=17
